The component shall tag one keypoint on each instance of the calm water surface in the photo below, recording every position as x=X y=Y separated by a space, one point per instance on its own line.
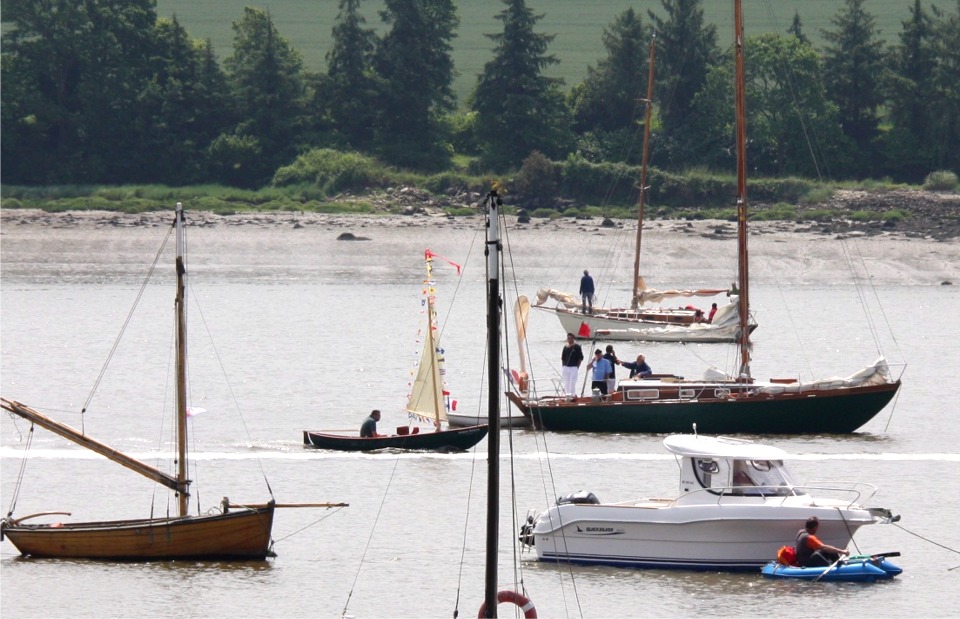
x=292 y=330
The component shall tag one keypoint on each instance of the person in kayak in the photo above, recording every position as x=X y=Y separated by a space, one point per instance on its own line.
x=811 y=552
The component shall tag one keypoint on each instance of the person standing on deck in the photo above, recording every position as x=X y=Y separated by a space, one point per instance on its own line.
x=611 y=356
x=602 y=369
x=713 y=311
x=586 y=293
x=570 y=358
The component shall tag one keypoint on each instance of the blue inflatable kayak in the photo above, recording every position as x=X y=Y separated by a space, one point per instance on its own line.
x=861 y=568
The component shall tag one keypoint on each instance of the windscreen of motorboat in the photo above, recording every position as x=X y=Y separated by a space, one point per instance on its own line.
x=760 y=478
x=750 y=477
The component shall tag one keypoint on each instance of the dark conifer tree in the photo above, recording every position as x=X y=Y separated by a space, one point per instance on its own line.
x=853 y=69
x=347 y=97
x=415 y=74
x=519 y=110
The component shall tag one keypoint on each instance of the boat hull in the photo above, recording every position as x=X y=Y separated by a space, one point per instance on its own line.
x=858 y=569
x=242 y=535
x=454 y=439
x=717 y=536
x=456 y=420
x=669 y=329
x=814 y=411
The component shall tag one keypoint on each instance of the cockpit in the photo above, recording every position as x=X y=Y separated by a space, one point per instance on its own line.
x=739 y=477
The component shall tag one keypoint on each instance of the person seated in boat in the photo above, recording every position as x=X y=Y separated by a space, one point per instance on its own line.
x=369 y=427
x=698 y=316
x=811 y=552
x=638 y=367
x=602 y=370
x=740 y=475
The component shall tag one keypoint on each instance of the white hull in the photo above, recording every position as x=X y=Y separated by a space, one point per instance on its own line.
x=603 y=327
x=737 y=506
x=715 y=536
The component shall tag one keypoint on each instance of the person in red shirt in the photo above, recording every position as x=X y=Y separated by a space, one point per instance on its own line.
x=811 y=552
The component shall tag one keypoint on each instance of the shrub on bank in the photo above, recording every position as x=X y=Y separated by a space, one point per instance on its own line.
x=941 y=180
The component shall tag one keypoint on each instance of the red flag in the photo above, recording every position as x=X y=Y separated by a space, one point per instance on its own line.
x=584 y=330
x=427 y=254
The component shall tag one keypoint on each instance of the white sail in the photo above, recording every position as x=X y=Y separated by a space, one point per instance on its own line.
x=426 y=399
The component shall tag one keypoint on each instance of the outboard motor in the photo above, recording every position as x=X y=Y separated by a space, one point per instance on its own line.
x=581 y=497
x=526 y=536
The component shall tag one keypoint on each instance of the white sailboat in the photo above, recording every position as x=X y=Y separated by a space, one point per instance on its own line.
x=682 y=323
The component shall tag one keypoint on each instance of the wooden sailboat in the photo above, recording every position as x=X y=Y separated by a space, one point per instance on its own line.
x=683 y=323
x=720 y=404
x=238 y=532
x=427 y=401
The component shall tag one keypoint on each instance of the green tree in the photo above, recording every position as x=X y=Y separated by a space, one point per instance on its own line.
x=415 y=70
x=347 y=97
x=796 y=29
x=945 y=128
x=792 y=128
x=519 y=110
x=266 y=75
x=607 y=105
x=72 y=76
x=608 y=98
x=909 y=87
x=686 y=48
x=853 y=66
x=186 y=103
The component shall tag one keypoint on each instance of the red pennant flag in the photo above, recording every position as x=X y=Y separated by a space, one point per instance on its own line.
x=427 y=254
x=584 y=330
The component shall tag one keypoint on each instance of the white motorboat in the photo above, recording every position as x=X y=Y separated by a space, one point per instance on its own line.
x=738 y=504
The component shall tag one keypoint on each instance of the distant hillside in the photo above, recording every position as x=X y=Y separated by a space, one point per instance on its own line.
x=577 y=24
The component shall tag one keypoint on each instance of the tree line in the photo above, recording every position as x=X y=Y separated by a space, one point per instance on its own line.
x=106 y=92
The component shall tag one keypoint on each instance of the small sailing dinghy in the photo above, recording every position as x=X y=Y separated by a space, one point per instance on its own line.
x=236 y=532
x=427 y=401
x=859 y=568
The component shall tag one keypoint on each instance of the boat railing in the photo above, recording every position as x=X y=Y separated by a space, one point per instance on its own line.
x=544 y=387
x=861 y=491
x=854 y=493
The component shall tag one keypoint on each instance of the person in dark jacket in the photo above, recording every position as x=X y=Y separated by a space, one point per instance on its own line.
x=586 y=293
x=570 y=358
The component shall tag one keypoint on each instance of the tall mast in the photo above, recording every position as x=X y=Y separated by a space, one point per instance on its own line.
x=493 y=393
x=432 y=343
x=181 y=363
x=742 y=262
x=635 y=301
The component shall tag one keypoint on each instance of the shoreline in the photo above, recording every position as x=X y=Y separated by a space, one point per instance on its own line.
x=429 y=217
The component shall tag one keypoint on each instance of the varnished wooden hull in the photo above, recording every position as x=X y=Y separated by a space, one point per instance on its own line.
x=240 y=535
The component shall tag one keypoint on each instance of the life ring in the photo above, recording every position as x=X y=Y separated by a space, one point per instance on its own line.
x=529 y=611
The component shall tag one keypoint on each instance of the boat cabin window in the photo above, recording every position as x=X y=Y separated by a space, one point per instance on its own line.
x=760 y=477
x=708 y=472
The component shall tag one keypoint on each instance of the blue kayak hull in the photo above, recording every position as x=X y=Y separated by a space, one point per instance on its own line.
x=856 y=569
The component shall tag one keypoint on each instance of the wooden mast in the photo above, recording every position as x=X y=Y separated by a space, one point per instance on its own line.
x=434 y=371
x=180 y=304
x=635 y=301
x=72 y=434
x=493 y=393
x=742 y=261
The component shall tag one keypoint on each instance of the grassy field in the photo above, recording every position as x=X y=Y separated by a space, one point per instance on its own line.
x=577 y=24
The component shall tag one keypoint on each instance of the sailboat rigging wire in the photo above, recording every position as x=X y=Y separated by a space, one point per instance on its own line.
x=126 y=323
x=233 y=395
x=366 y=547
x=305 y=527
x=21 y=471
x=926 y=539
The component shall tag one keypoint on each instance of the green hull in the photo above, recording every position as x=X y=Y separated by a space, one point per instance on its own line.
x=836 y=411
